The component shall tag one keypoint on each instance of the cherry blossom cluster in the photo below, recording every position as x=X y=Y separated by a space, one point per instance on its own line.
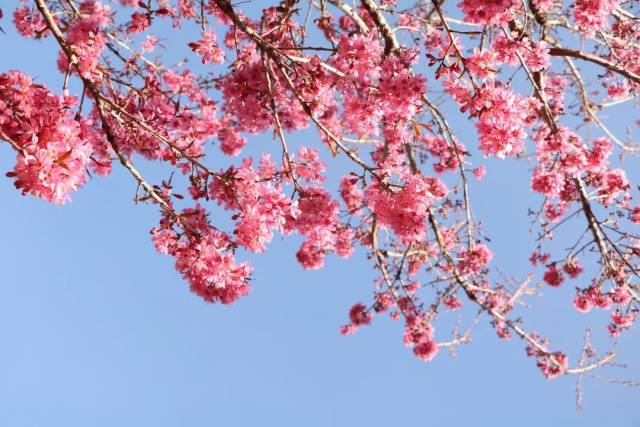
x=54 y=149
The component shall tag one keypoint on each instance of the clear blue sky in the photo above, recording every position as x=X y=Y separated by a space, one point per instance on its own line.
x=97 y=329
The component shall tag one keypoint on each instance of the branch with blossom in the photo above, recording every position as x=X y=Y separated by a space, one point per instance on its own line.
x=377 y=80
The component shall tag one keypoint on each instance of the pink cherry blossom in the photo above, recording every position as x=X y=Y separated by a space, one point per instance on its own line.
x=553 y=276
x=208 y=49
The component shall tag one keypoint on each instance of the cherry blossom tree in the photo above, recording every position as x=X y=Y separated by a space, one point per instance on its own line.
x=378 y=81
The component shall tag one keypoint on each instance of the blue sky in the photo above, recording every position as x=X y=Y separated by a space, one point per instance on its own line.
x=97 y=329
